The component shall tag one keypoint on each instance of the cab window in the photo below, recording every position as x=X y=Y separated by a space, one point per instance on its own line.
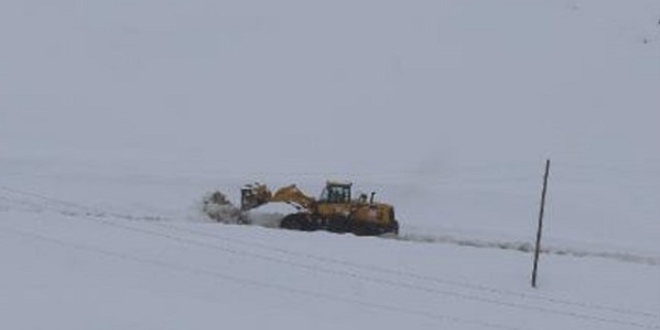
x=336 y=194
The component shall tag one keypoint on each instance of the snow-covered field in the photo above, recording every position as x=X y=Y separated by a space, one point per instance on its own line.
x=117 y=117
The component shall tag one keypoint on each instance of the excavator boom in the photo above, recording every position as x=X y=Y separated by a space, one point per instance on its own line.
x=292 y=195
x=255 y=195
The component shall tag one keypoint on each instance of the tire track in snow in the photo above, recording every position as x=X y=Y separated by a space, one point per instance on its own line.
x=527 y=247
x=74 y=209
x=86 y=212
x=266 y=285
x=393 y=283
x=45 y=203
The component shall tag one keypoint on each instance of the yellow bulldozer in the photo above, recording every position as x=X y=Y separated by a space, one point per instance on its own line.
x=334 y=211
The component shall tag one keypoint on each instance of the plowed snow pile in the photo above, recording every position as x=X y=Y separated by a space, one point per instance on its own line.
x=269 y=215
x=217 y=207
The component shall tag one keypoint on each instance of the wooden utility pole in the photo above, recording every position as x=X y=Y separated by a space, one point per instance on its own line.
x=540 y=227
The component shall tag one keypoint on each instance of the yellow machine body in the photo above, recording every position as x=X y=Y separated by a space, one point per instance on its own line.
x=336 y=210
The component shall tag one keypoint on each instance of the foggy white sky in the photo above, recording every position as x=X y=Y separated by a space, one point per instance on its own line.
x=341 y=86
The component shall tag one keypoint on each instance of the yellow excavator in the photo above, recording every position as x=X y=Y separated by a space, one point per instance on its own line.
x=334 y=211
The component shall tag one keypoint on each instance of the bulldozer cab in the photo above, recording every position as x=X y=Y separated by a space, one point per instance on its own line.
x=336 y=193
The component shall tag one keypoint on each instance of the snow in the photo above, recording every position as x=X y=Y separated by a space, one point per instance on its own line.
x=117 y=118
x=270 y=215
x=78 y=271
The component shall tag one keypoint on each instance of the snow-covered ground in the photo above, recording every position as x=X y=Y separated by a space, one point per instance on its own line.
x=116 y=118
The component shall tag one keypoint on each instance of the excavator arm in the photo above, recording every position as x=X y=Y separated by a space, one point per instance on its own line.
x=292 y=195
x=255 y=195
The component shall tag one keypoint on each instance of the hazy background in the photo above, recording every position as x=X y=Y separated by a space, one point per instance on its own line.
x=449 y=108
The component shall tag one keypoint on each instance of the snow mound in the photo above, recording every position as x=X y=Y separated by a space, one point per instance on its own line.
x=217 y=206
x=270 y=214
